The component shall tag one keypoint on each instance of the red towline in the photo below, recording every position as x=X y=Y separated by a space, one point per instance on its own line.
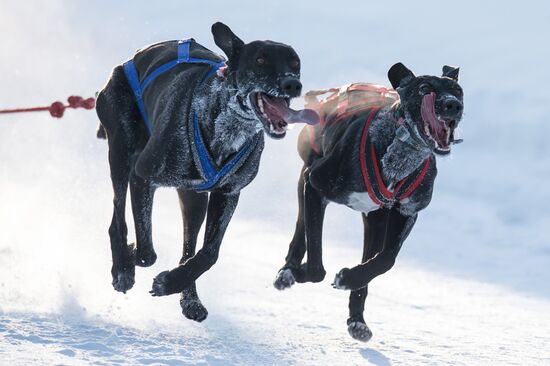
x=57 y=109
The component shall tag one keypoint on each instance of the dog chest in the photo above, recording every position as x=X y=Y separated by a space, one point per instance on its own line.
x=361 y=201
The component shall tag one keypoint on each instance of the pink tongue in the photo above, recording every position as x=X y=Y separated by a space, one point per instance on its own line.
x=277 y=109
x=427 y=111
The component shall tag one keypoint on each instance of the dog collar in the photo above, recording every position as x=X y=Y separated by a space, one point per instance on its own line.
x=398 y=113
x=407 y=132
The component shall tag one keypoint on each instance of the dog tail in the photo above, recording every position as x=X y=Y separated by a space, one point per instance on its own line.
x=101 y=133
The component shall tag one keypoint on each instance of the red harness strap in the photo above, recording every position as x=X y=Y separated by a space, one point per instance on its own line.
x=387 y=198
x=362 y=158
x=337 y=118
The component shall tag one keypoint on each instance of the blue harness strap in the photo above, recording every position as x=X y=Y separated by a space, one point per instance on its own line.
x=183 y=57
x=211 y=174
x=132 y=76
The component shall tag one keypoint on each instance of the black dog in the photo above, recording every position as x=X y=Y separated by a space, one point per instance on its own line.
x=176 y=115
x=376 y=155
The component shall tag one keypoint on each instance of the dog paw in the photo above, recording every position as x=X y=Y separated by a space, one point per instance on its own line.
x=315 y=274
x=285 y=279
x=340 y=280
x=145 y=257
x=360 y=331
x=123 y=280
x=193 y=309
x=160 y=284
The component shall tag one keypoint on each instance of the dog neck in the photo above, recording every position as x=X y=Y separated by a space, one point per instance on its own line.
x=226 y=120
x=405 y=149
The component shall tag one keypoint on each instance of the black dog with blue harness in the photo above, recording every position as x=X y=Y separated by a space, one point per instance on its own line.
x=179 y=115
x=211 y=174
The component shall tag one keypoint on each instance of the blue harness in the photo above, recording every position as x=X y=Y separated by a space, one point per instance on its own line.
x=211 y=174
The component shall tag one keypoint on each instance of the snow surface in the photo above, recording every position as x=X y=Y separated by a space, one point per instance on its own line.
x=470 y=287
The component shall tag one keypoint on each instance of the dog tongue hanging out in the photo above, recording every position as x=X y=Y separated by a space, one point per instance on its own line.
x=277 y=113
x=374 y=151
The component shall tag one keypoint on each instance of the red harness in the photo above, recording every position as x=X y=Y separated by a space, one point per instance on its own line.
x=336 y=108
x=403 y=189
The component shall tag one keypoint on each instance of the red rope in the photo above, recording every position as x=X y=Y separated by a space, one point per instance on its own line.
x=57 y=109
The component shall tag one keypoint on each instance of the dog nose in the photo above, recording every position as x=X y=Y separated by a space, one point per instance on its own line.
x=291 y=86
x=452 y=107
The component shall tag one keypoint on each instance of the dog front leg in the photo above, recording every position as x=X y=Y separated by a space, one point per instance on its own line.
x=374 y=224
x=153 y=155
x=220 y=210
x=398 y=228
x=193 y=208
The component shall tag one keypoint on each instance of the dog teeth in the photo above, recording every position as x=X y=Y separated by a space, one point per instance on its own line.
x=429 y=134
x=261 y=104
x=427 y=130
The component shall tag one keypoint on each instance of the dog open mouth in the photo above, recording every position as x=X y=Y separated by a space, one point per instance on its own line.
x=439 y=130
x=276 y=114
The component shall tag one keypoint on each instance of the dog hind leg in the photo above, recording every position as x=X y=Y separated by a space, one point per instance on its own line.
x=117 y=113
x=286 y=276
x=314 y=205
x=314 y=213
x=141 y=193
x=193 y=208
x=123 y=269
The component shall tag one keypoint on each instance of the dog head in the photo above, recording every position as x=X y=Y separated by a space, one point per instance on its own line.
x=267 y=76
x=434 y=104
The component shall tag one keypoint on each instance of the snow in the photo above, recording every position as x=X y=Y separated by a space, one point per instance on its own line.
x=470 y=285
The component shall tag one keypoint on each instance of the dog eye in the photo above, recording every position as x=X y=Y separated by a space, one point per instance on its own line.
x=260 y=61
x=425 y=88
x=295 y=63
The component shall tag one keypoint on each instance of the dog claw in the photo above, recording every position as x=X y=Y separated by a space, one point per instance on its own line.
x=340 y=280
x=285 y=279
x=123 y=281
x=315 y=274
x=193 y=309
x=123 y=272
x=145 y=258
x=360 y=331
x=159 y=284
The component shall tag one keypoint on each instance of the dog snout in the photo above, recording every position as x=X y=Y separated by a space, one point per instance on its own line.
x=291 y=86
x=452 y=107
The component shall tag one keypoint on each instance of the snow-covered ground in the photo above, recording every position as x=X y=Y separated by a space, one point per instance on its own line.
x=471 y=285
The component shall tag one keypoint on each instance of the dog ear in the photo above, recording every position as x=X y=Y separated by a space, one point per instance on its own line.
x=227 y=40
x=451 y=72
x=399 y=75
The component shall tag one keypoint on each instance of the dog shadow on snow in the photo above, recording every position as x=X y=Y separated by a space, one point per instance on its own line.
x=375 y=357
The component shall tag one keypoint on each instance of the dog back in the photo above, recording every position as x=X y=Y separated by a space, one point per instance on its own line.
x=341 y=103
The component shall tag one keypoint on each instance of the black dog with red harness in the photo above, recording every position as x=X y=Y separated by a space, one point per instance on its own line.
x=375 y=153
